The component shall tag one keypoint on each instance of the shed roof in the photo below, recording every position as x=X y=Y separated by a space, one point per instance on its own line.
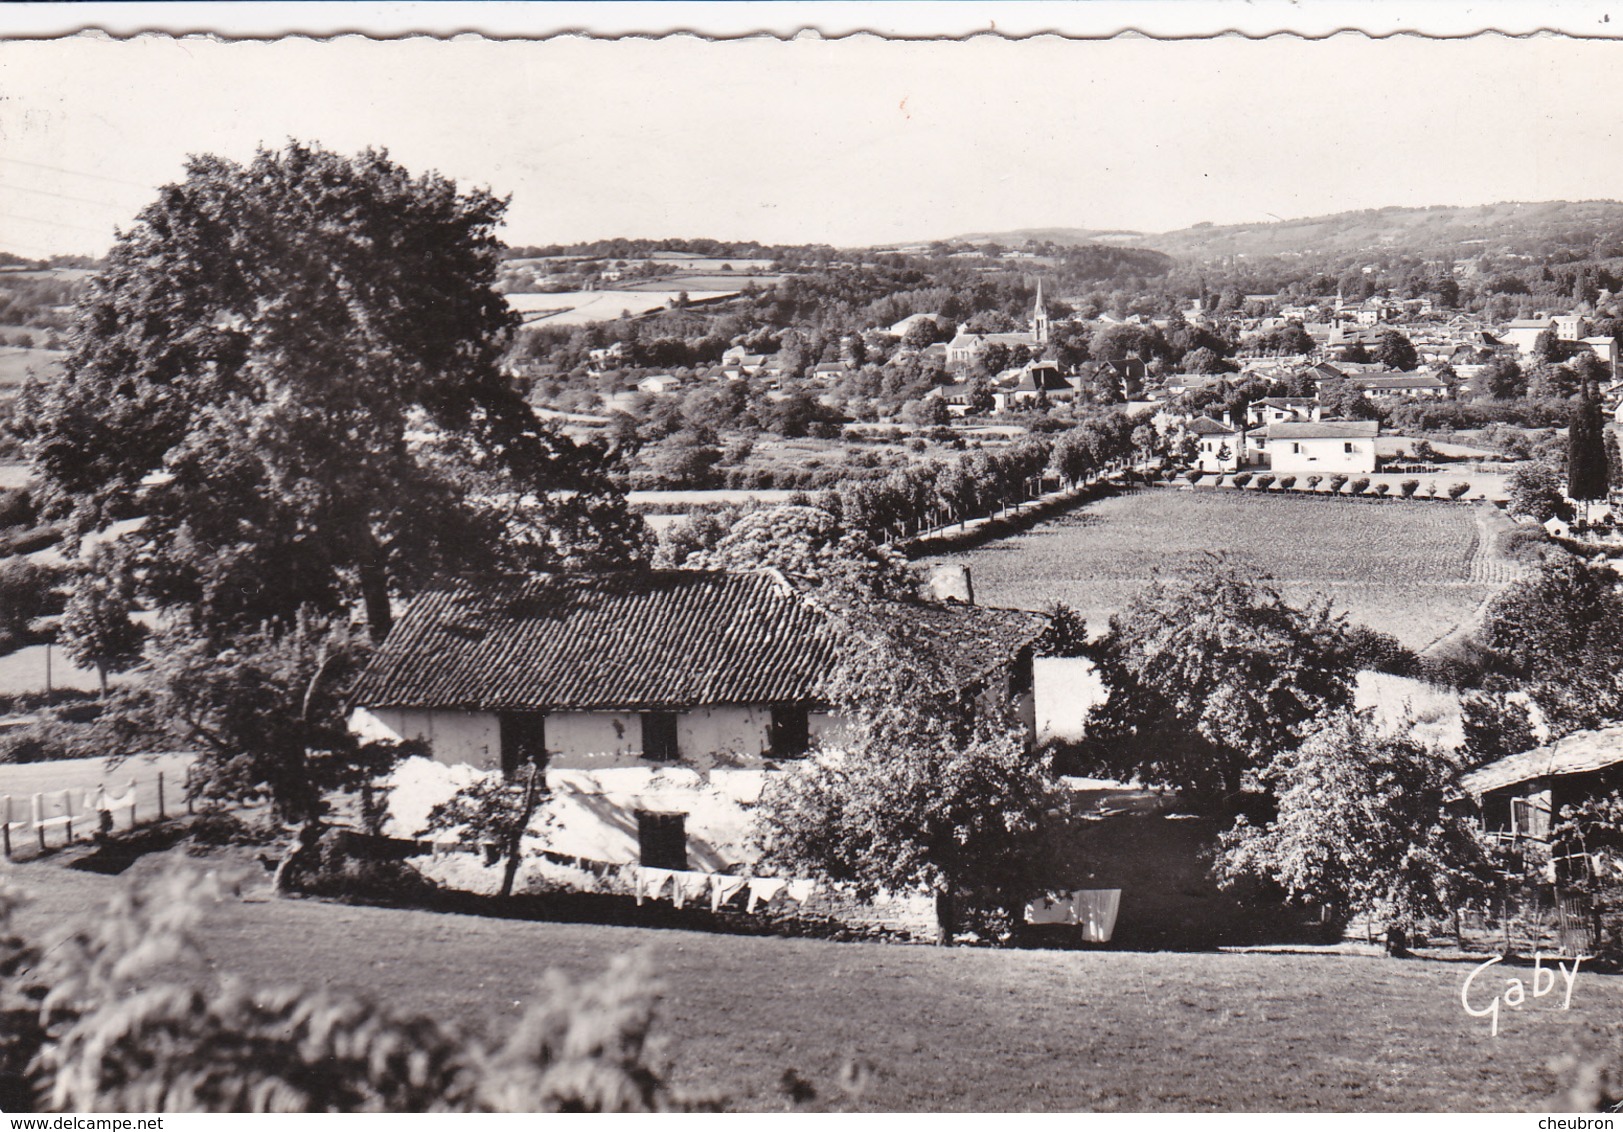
x=645 y=639
x=1578 y=753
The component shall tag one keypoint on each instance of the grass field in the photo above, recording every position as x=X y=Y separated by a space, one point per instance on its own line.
x=948 y=1030
x=1413 y=569
x=16 y=363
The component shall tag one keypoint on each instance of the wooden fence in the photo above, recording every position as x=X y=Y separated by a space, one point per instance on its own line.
x=60 y=817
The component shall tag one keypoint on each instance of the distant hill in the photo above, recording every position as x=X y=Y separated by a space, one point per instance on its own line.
x=1061 y=237
x=1435 y=232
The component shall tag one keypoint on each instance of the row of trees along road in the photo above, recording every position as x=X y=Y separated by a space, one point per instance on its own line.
x=287 y=372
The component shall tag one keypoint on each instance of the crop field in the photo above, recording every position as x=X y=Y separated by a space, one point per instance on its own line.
x=1412 y=569
x=943 y=1030
x=574 y=308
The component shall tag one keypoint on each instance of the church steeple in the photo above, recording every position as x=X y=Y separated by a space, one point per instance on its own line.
x=1039 y=320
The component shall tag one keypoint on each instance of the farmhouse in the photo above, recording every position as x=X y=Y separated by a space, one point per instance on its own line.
x=651 y=693
x=1307 y=447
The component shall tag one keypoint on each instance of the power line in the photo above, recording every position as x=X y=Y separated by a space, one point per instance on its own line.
x=52 y=223
x=74 y=172
x=60 y=196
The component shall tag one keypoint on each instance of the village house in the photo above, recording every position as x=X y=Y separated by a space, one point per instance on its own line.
x=1218 y=448
x=1317 y=447
x=659 y=383
x=1523 y=333
x=659 y=698
x=1275 y=410
x=1033 y=382
x=1401 y=386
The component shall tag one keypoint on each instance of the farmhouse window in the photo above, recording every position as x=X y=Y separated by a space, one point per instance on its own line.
x=523 y=739
x=1349 y=447
x=790 y=733
x=662 y=840
x=659 y=735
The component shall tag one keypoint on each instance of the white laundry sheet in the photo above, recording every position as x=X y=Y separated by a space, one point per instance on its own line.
x=1094 y=910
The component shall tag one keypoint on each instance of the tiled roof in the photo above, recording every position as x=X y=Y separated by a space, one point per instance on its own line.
x=1578 y=753
x=1400 y=381
x=1323 y=430
x=670 y=639
x=1205 y=426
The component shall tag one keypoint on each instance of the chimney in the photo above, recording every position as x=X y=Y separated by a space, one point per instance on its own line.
x=949 y=581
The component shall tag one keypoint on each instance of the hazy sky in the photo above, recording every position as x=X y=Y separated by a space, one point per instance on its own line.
x=854 y=141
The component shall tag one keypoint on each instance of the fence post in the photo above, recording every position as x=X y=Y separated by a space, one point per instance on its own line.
x=5 y=829
x=38 y=810
x=160 y=796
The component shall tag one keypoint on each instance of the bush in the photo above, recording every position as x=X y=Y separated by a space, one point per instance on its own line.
x=101 y=1023
x=27 y=591
x=1195 y=474
x=1359 y=486
x=1287 y=482
x=1337 y=482
x=1382 y=488
x=1458 y=489
x=1409 y=487
x=1240 y=479
x=1264 y=482
x=1381 y=652
x=1313 y=482
x=17 y=508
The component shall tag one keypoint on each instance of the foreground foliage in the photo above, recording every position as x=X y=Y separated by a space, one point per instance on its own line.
x=93 y=1024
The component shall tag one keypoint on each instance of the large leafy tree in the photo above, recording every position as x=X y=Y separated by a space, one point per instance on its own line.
x=289 y=368
x=930 y=788
x=1535 y=491
x=1211 y=675
x=1365 y=824
x=1559 y=636
x=1395 y=350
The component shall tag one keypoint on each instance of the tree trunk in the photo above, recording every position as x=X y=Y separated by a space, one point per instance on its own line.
x=375 y=592
x=101 y=675
x=946 y=917
x=515 y=843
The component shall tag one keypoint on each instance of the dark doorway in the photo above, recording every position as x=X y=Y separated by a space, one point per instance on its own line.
x=790 y=733
x=524 y=740
x=662 y=840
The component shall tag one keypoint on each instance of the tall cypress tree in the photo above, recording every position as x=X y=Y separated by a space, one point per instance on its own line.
x=1586 y=448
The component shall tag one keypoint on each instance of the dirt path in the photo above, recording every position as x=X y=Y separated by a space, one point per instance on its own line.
x=1488 y=565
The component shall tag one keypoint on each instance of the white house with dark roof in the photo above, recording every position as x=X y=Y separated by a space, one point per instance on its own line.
x=641 y=668
x=660 y=699
x=1218 y=448
x=1318 y=447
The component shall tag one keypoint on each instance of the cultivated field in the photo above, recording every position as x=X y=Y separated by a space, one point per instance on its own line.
x=1413 y=569
x=946 y=1030
x=575 y=308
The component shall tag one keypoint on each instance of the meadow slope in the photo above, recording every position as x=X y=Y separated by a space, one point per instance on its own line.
x=948 y=1029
